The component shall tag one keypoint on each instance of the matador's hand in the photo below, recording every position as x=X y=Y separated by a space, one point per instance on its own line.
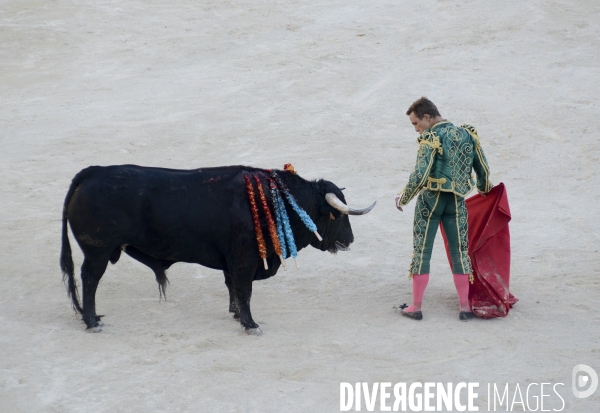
x=397 y=199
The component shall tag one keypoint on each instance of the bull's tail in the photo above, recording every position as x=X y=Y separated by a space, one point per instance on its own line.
x=66 y=260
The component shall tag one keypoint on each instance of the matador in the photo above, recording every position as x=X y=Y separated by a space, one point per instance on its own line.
x=441 y=179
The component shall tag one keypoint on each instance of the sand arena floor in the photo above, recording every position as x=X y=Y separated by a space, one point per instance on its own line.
x=323 y=85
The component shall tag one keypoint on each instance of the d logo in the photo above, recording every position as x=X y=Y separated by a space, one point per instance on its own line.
x=580 y=381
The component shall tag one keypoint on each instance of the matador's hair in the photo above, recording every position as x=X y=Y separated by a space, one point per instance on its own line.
x=423 y=106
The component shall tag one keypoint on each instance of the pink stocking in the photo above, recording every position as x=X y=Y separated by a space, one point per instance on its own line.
x=461 y=281
x=419 y=284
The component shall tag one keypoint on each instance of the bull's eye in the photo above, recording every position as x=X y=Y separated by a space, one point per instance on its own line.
x=331 y=216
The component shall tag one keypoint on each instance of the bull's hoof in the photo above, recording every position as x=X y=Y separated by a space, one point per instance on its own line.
x=236 y=316
x=95 y=329
x=254 y=331
x=93 y=323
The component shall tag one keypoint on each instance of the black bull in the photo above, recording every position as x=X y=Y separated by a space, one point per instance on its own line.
x=163 y=216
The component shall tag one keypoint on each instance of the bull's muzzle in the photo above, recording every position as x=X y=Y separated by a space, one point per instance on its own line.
x=341 y=247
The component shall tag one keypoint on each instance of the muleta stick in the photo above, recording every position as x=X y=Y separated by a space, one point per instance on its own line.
x=262 y=248
x=270 y=222
x=301 y=213
x=287 y=234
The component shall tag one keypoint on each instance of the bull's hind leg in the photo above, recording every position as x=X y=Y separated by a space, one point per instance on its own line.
x=233 y=306
x=91 y=273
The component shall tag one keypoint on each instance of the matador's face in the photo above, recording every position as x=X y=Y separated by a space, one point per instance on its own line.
x=421 y=125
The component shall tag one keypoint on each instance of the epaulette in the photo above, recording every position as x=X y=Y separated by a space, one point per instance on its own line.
x=431 y=139
x=472 y=131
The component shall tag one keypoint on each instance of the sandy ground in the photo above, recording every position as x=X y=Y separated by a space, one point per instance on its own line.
x=323 y=85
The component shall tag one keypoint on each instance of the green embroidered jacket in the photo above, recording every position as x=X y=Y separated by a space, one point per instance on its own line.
x=446 y=156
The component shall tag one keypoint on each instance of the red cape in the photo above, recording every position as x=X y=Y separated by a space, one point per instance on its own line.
x=489 y=249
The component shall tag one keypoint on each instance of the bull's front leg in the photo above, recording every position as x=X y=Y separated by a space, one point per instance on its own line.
x=242 y=287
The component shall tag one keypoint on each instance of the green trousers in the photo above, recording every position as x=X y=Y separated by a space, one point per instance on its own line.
x=448 y=208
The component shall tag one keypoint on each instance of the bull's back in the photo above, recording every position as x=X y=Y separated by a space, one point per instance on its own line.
x=168 y=213
x=138 y=185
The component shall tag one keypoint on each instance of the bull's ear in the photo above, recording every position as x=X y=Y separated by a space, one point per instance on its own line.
x=325 y=210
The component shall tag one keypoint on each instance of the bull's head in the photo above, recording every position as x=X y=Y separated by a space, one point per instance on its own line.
x=333 y=223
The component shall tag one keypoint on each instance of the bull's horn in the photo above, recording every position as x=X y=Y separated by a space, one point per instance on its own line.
x=335 y=202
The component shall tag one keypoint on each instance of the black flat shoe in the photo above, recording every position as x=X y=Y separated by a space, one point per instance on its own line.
x=415 y=315
x=466 y=315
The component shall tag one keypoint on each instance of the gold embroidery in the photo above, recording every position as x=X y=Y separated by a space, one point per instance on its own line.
x=438 y=181
x=427 y=203
x=434 y=142
x=462 y=228
x=437 y=198
x=434 y=184
x=460 y=155
x=442 y=122
x=458 y=234
x=421 y=173
x=479 y=153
